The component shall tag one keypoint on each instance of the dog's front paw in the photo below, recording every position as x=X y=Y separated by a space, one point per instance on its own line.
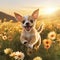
x=25 y=42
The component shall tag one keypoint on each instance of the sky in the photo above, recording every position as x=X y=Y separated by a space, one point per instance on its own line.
x=9 y=5
x=28 y=3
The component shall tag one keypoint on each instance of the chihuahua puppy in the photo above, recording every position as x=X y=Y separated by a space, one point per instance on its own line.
x=30 y=37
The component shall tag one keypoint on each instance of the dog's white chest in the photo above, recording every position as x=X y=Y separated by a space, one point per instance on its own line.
x=28 y=35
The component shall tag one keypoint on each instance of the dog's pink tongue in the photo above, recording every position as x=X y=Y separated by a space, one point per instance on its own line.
x=27 y=28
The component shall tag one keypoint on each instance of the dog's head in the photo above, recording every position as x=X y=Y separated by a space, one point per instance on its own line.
x=28 y=22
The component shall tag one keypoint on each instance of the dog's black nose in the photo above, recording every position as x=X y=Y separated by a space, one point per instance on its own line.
x=27 y=24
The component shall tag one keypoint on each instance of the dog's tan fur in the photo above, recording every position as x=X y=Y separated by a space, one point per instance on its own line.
x=32 y=37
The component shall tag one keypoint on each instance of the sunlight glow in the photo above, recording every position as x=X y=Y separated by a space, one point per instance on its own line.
x=49 y=10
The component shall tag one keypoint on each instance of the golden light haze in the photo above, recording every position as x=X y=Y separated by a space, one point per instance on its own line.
x=29 y=10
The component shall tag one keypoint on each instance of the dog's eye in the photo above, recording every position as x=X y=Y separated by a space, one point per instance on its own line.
x=23 y=21
x=31 y=21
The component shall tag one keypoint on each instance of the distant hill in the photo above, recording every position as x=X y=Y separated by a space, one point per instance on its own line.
x=54 y=16
x=7 y=16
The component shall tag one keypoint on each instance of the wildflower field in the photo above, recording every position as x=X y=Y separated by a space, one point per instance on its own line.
x=12 y=49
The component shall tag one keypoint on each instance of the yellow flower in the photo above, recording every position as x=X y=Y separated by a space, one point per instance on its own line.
x=37 y=58
x=4 y=37
x=12 y=54
x=47 y=46
x=47 y=41
x=8 y=51
x=52 y=35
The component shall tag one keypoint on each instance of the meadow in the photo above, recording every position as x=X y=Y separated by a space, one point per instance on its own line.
x=12 y=49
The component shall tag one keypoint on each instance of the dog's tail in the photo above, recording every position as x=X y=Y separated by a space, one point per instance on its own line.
x=41 y=28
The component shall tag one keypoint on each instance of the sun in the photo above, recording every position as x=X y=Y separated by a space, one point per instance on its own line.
x=49 y=10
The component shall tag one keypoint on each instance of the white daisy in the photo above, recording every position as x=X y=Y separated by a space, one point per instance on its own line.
x=52 y=35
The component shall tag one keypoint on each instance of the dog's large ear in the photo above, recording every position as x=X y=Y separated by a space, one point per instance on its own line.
x=35 y=14
x=18 y=16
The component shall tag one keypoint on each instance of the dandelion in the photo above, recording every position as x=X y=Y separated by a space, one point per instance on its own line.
x=4 y=37
x=37 y=58
x=52 y=35
x=8 y=51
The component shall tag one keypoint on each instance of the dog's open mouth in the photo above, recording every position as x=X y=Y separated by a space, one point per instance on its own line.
x=28 y=27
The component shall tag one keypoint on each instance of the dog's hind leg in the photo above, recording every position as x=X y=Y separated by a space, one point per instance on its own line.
x=37 y=45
